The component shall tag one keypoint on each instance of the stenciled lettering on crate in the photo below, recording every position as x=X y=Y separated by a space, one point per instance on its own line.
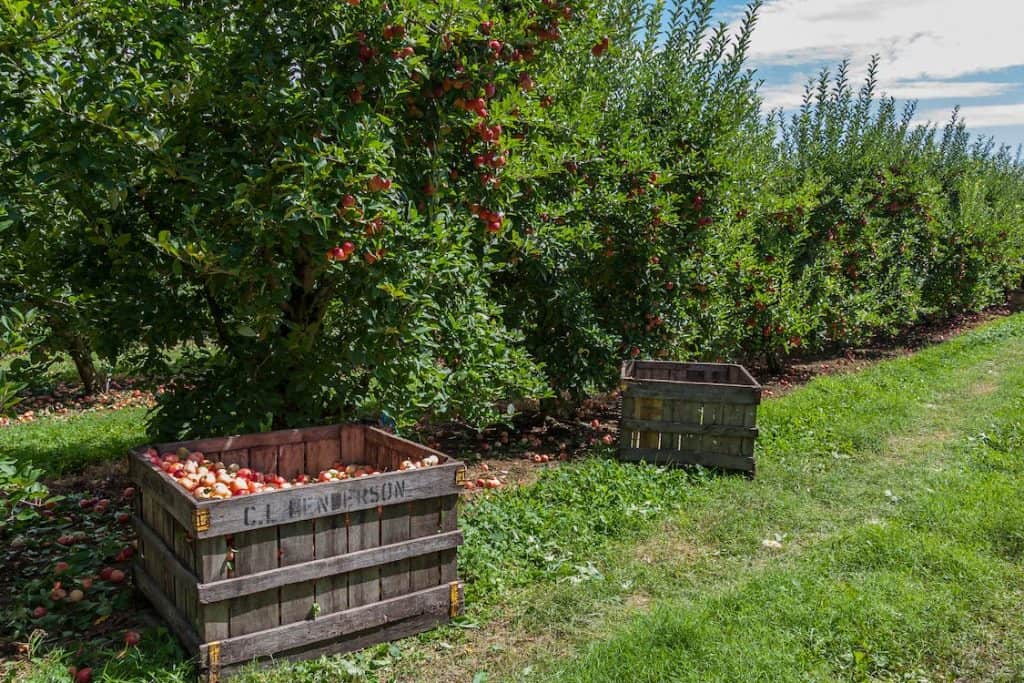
x=676 y=413
x=306 y=571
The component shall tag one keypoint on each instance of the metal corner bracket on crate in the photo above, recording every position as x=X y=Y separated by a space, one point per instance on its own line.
x=213 y=657
x=460 y=476
x=201 y=520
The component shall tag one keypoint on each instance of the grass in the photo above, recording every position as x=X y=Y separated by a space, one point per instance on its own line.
x=892 y=502
x=59 y=446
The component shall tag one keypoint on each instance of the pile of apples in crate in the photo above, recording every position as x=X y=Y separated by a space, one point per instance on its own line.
x=205 y=479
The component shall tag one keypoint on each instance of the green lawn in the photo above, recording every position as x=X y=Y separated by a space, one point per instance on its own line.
x=883 y=539
x=64 y=445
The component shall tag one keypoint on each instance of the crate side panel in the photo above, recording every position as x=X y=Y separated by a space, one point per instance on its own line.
x=263 y=459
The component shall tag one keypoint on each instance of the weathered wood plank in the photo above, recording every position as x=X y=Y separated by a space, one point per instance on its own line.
x=263 y=459
x=363 y=534
x=282 y=638
x=179 y=624
x=255 y=551
x=353 y=444
x=309 y=502
x=226 y=589
x=263 y=439
x=672 y=427
x=731 y=462
x=331 y=544
x=159 y=554
x=449 y=522
x=155 y=484
x=291 y=460
x=212 y=565
x=425 y=523
x=322 y=455
x=394 y=528
x=648 y=410
x=350 y=643
x=296 y=548
x=693 y=391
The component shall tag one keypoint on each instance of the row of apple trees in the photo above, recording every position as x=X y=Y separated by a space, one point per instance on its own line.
x=332 y=208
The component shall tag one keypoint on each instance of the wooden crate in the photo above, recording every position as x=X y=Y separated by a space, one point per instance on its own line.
x=376 y=554
x=689 y=414
x=1015 y=299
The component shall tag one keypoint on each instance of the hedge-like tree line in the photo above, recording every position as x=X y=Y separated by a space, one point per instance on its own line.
x=335 y=208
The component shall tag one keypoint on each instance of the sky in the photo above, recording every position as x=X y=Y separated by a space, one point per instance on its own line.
x=939 y=52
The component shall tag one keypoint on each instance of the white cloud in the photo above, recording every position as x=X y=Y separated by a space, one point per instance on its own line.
x=981 y=116
x=922 y=43
x=933 y=38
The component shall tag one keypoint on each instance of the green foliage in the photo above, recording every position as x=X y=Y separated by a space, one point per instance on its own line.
x=22 y=494
x=402 y=207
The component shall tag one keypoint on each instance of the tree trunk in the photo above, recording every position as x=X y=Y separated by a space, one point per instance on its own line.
x=81 y=355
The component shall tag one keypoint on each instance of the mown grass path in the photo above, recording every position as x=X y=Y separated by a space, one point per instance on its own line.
x=896 y=499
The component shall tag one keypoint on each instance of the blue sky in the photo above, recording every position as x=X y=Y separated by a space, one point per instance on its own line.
x=938 y=52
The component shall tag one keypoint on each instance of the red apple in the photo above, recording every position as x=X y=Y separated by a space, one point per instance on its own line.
x=106 y=572
x=60 y=567
x=84 y=675
x=132 y=638
x=39 y=612
x=117 y=576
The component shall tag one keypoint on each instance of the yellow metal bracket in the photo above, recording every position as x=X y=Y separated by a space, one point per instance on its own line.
x=201 y=519
x=460 y=476
x=213 y=654
x=454 y=597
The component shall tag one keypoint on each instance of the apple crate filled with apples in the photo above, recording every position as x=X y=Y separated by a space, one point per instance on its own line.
x=297 y=543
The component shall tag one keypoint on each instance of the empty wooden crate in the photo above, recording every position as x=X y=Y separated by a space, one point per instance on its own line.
x=299 y=572
x=689 y=414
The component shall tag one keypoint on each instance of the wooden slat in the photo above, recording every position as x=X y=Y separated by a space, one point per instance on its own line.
x=353 y=444
x=263 y=459
x=394 y=528
x=291 y=460
x=322 y=455
x=282 y=638
x=730 y=462
x=693 y=391
x=156 y=484
x=449 y=523
x=256 y=551
x=212 y=565
x=296 y=548
x=185 y=590
x=227 y=443
x=321 y=500
x=158 y=554
x=389 y=632
x=688 y=428
x=410 y=449
x=331 y=543
x=179 y=624
x=425 y=522
x=363 y=534
x=238 y=456
x=649 y=410
x=227 y=589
